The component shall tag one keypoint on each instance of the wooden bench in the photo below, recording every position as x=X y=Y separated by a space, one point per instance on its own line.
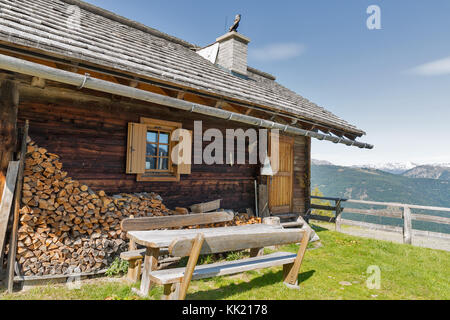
x=135 y=257
x=176 y=281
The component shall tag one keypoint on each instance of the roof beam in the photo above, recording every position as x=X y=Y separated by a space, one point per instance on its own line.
x=38 y=82
x=219 y=104
x=180 y=95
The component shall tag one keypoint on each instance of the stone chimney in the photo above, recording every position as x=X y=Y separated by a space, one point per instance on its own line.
x=232 y=53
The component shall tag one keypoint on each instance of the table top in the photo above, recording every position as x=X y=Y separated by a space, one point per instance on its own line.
x=163 y=238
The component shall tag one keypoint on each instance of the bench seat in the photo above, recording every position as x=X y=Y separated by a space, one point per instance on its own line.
x=133 y=255
x=170 y=276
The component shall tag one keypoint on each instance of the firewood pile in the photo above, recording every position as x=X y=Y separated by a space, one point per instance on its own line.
x=243 y=219
x=65 y=227
x=239 y=220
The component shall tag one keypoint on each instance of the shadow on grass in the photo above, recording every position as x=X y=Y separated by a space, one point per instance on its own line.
x=267 y=279
x=319 y=228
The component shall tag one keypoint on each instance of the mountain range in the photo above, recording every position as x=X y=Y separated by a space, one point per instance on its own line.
x=407 y=169
x=422 y=185
x=429 y=171
x=391 y=167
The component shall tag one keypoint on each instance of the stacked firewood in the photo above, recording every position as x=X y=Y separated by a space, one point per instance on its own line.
x=245 y=218
x=65 y=227
x=239 y=220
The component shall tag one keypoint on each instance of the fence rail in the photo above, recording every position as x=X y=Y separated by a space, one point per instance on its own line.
x=393 y=210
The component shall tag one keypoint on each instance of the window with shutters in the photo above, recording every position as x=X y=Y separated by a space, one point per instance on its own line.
x=150 y=146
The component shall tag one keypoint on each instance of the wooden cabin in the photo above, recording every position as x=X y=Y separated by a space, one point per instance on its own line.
x=94 y=85
x=89 y=129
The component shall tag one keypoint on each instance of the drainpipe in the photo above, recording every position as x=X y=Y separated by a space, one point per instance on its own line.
x=80 y=81
x=256 y=199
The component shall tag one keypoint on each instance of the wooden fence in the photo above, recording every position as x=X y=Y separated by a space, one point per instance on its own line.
x=393 y=210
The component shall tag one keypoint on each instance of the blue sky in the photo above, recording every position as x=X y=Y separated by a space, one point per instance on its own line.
x=394 y=83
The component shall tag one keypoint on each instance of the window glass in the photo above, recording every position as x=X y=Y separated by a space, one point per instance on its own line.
x=158 y=149
x=163 y=150
x=164 y=138
x=152 y=150
x=152 y=136
x=150 y=164
x=163 y=164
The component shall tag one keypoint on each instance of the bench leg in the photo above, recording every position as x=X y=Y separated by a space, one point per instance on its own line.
x=290 y=271
x=134 y=270
x=256 y=252
x=171 y=291
x=150 y=264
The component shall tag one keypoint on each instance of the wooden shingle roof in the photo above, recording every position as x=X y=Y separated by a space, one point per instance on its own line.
x=112 y=41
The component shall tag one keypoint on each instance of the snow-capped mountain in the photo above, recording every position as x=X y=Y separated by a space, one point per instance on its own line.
x=441 y=171
x=413 y=170
x=391 y=167
x=321 y=162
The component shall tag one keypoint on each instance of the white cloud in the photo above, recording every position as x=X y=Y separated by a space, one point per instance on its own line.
x=277 y=51
x=433 y=68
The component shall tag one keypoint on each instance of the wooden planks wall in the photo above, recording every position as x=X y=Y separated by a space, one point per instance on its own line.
x=281 y=185
x=301 y=185
x=91 y=140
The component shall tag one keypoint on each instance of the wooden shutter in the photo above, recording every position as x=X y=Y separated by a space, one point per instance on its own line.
x=182 y=167
x=137 y=145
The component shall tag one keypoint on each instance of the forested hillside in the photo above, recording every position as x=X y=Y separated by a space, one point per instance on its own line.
x=376 y=185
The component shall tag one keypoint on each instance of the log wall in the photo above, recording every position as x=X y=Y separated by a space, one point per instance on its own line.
x=91 y=140
x=9 y=99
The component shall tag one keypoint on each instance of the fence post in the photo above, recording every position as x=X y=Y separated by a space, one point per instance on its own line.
x=407 y=225
x=338 y=215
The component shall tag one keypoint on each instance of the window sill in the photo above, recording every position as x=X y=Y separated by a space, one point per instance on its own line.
x=157 y=178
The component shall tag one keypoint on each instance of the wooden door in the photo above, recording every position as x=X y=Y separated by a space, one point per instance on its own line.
x=281 y=184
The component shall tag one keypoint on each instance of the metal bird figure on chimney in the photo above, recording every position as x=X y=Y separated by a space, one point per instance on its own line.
x=235 y=25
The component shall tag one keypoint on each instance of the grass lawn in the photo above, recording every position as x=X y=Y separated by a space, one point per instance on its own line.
x=337 y=270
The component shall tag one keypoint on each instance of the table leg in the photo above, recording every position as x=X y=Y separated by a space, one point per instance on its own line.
x=290 y=271
x=132 y=245
x=150 y=264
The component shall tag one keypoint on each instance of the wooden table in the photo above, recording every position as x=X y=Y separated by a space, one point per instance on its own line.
x=155 y=240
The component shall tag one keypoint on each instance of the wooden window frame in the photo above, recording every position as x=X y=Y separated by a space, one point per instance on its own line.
x=158 y=175
x=158 y=157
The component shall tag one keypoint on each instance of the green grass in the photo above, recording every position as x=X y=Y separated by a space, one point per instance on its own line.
x=407 y=272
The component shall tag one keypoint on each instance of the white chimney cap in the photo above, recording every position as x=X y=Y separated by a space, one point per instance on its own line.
x=233 y=35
